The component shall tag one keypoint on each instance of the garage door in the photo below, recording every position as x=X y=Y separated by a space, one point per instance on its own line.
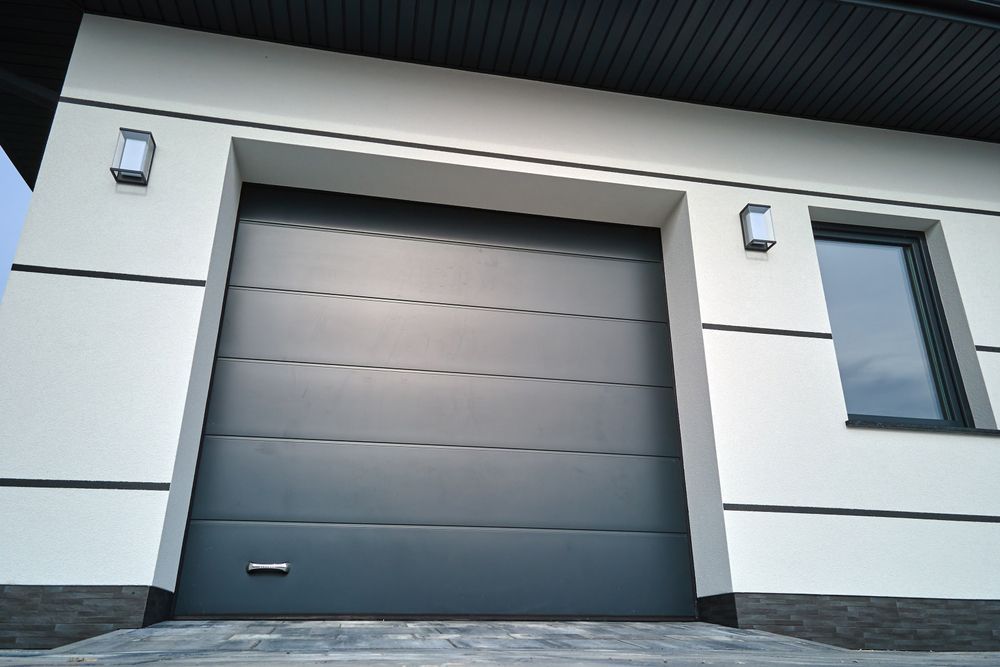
x=427 y=410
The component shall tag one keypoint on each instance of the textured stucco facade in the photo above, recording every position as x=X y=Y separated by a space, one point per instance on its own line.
x=105 y=380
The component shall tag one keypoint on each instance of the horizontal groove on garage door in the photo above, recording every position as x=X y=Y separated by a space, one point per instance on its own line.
x=418 y=485
x=279 y=326
x=348 y=569
x=329 y=402
x=445 y=241
x=327 y=441
x=448 y=223
x=360 y=264
x=386 y=369
x=467 y=306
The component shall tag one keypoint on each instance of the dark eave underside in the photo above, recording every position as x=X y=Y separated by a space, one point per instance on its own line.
x=931 y=66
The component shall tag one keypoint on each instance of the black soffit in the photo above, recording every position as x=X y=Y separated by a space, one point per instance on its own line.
x=930 y=66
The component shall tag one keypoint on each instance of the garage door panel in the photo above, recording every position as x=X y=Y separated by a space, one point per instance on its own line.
x=431 y=410
x=361 y=332
x=284 y=400
x=391 y=216
x=309 y=260
x=338 y=569
x=288 y=480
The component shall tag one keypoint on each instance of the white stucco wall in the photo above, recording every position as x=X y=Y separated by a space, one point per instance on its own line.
x=107 y=379
x=80 y=537
x=86 y=376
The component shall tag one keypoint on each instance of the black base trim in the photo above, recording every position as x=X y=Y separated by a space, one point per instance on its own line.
x=43 y=617
x=773 y=332
x=510 y=156
x=842 y=511
x=863 y=622
x=83 y=484
x=436 y=617
x=159 y=603
x=133 y=277
x=987 y=348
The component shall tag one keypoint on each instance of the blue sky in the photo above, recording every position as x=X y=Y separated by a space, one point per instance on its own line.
x=14 y=196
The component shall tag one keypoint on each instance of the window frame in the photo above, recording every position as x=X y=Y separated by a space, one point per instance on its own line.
x=930 y=314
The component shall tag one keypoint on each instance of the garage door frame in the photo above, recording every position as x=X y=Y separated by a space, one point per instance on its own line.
x=514 y=183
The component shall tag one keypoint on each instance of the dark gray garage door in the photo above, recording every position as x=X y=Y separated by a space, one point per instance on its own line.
x=427 y=410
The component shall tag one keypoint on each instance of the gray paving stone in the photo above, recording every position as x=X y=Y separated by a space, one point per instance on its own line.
x=294 y=643
x=591 y=644
x=499 y=643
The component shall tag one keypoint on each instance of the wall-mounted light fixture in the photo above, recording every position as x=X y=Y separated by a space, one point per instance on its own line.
x=758 y=228
x=133 y=157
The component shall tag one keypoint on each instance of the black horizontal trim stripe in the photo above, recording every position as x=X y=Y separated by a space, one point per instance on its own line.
x=987 y=348
x=31 y=268
x=430 y=371
x=439 y=526
x=83 y=484
x=518 y=158
x=841 y=511
x=437 y=445
x=774 y=332
x=446 y=304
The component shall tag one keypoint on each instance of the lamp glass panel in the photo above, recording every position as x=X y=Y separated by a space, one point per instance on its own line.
x=133 y=154
x=760 y=223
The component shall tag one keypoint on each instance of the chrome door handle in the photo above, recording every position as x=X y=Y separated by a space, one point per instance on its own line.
x=280 y=568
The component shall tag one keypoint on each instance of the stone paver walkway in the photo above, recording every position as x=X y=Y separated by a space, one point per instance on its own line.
x=463 y=643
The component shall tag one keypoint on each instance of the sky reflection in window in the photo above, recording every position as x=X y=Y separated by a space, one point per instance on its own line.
x=884 y=365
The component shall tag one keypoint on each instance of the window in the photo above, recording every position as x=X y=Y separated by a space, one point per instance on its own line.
x=895 y=356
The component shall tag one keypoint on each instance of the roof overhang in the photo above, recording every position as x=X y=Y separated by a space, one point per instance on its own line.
x=931 y=66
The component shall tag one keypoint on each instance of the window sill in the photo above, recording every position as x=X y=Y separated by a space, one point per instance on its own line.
x=899 y=426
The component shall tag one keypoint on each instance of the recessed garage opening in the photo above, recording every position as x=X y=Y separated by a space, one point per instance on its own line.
x=422 y=410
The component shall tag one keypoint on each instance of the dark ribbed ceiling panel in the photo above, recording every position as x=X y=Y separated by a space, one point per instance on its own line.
x=930 y=66
x=36 y=39
x=842 y=61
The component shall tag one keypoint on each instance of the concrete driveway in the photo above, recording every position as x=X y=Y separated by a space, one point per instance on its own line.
x=463 y=643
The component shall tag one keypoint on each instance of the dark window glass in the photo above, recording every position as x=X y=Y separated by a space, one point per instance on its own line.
x=887 y=330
